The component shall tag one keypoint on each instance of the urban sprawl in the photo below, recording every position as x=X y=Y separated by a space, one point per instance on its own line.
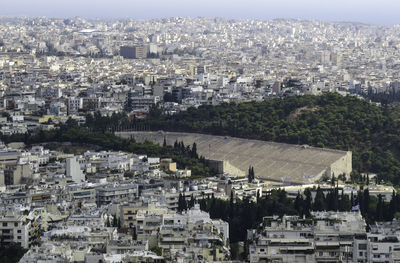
x=69 y=202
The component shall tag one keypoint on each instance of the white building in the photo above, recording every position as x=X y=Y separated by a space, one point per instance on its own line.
x=74 y=171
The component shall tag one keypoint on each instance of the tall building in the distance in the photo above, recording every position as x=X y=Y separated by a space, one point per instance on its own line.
x=134 y=52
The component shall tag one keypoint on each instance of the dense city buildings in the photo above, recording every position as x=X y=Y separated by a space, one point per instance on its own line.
x=86 y=176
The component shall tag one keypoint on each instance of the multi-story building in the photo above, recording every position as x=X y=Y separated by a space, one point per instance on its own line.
x=134 y=52
x=383 y=243
x=16 y=227
x=196 y=234
x=134 y=102
x=116 y=193
x=74 y=104
x=326 y=237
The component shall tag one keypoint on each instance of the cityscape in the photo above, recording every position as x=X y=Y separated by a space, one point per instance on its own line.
x=198 y=139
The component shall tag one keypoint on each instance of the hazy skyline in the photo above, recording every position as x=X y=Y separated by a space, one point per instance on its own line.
x=367 y=11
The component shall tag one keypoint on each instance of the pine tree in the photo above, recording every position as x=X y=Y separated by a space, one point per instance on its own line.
x=165 y=142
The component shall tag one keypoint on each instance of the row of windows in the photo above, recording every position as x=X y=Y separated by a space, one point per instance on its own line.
x=6 y=224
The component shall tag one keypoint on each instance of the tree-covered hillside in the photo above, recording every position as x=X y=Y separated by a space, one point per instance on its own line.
x=331 y=121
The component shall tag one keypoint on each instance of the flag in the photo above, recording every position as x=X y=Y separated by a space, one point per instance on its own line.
x=355 y=208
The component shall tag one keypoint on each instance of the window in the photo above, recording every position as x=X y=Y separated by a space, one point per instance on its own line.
x=4 y=223
x=361 y=254
x=19 y=237
x=362 y=246
x=19 y=231
x=16 y=224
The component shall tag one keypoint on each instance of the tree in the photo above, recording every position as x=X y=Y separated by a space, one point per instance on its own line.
x=379 y=209
x=194 y=151
x=307 y=202
x=176 y=145
x=342 y=177
x=393 y=206
x=115 y=221
x=231 y=206
x=250 y=175
x=165 y=142
x=366 y=201
x=192 y=201
x=345 y=204
x=319 y=200
x=182 y=205
x=157 y=250
x=299 y=204
x=333 y=179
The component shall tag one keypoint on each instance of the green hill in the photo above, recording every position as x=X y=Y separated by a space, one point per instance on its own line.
x=331 y=121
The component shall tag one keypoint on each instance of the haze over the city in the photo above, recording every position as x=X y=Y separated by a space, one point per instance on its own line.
x=367 y=11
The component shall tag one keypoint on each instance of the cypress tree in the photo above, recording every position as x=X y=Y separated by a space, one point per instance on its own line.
x=298 y=204
x=307 y=202
x=319 y=201
x=352 y=199
x=191 y=202
x=194 y=151
x=180 y=203
x=250 y=175
x=366 y=201
x=379 y=208
x=392 y=207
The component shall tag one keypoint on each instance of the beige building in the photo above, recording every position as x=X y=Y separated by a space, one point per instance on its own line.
x=14 y=174
x=168 y=165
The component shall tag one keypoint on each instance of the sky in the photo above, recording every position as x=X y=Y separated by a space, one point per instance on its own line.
x=384 y=12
